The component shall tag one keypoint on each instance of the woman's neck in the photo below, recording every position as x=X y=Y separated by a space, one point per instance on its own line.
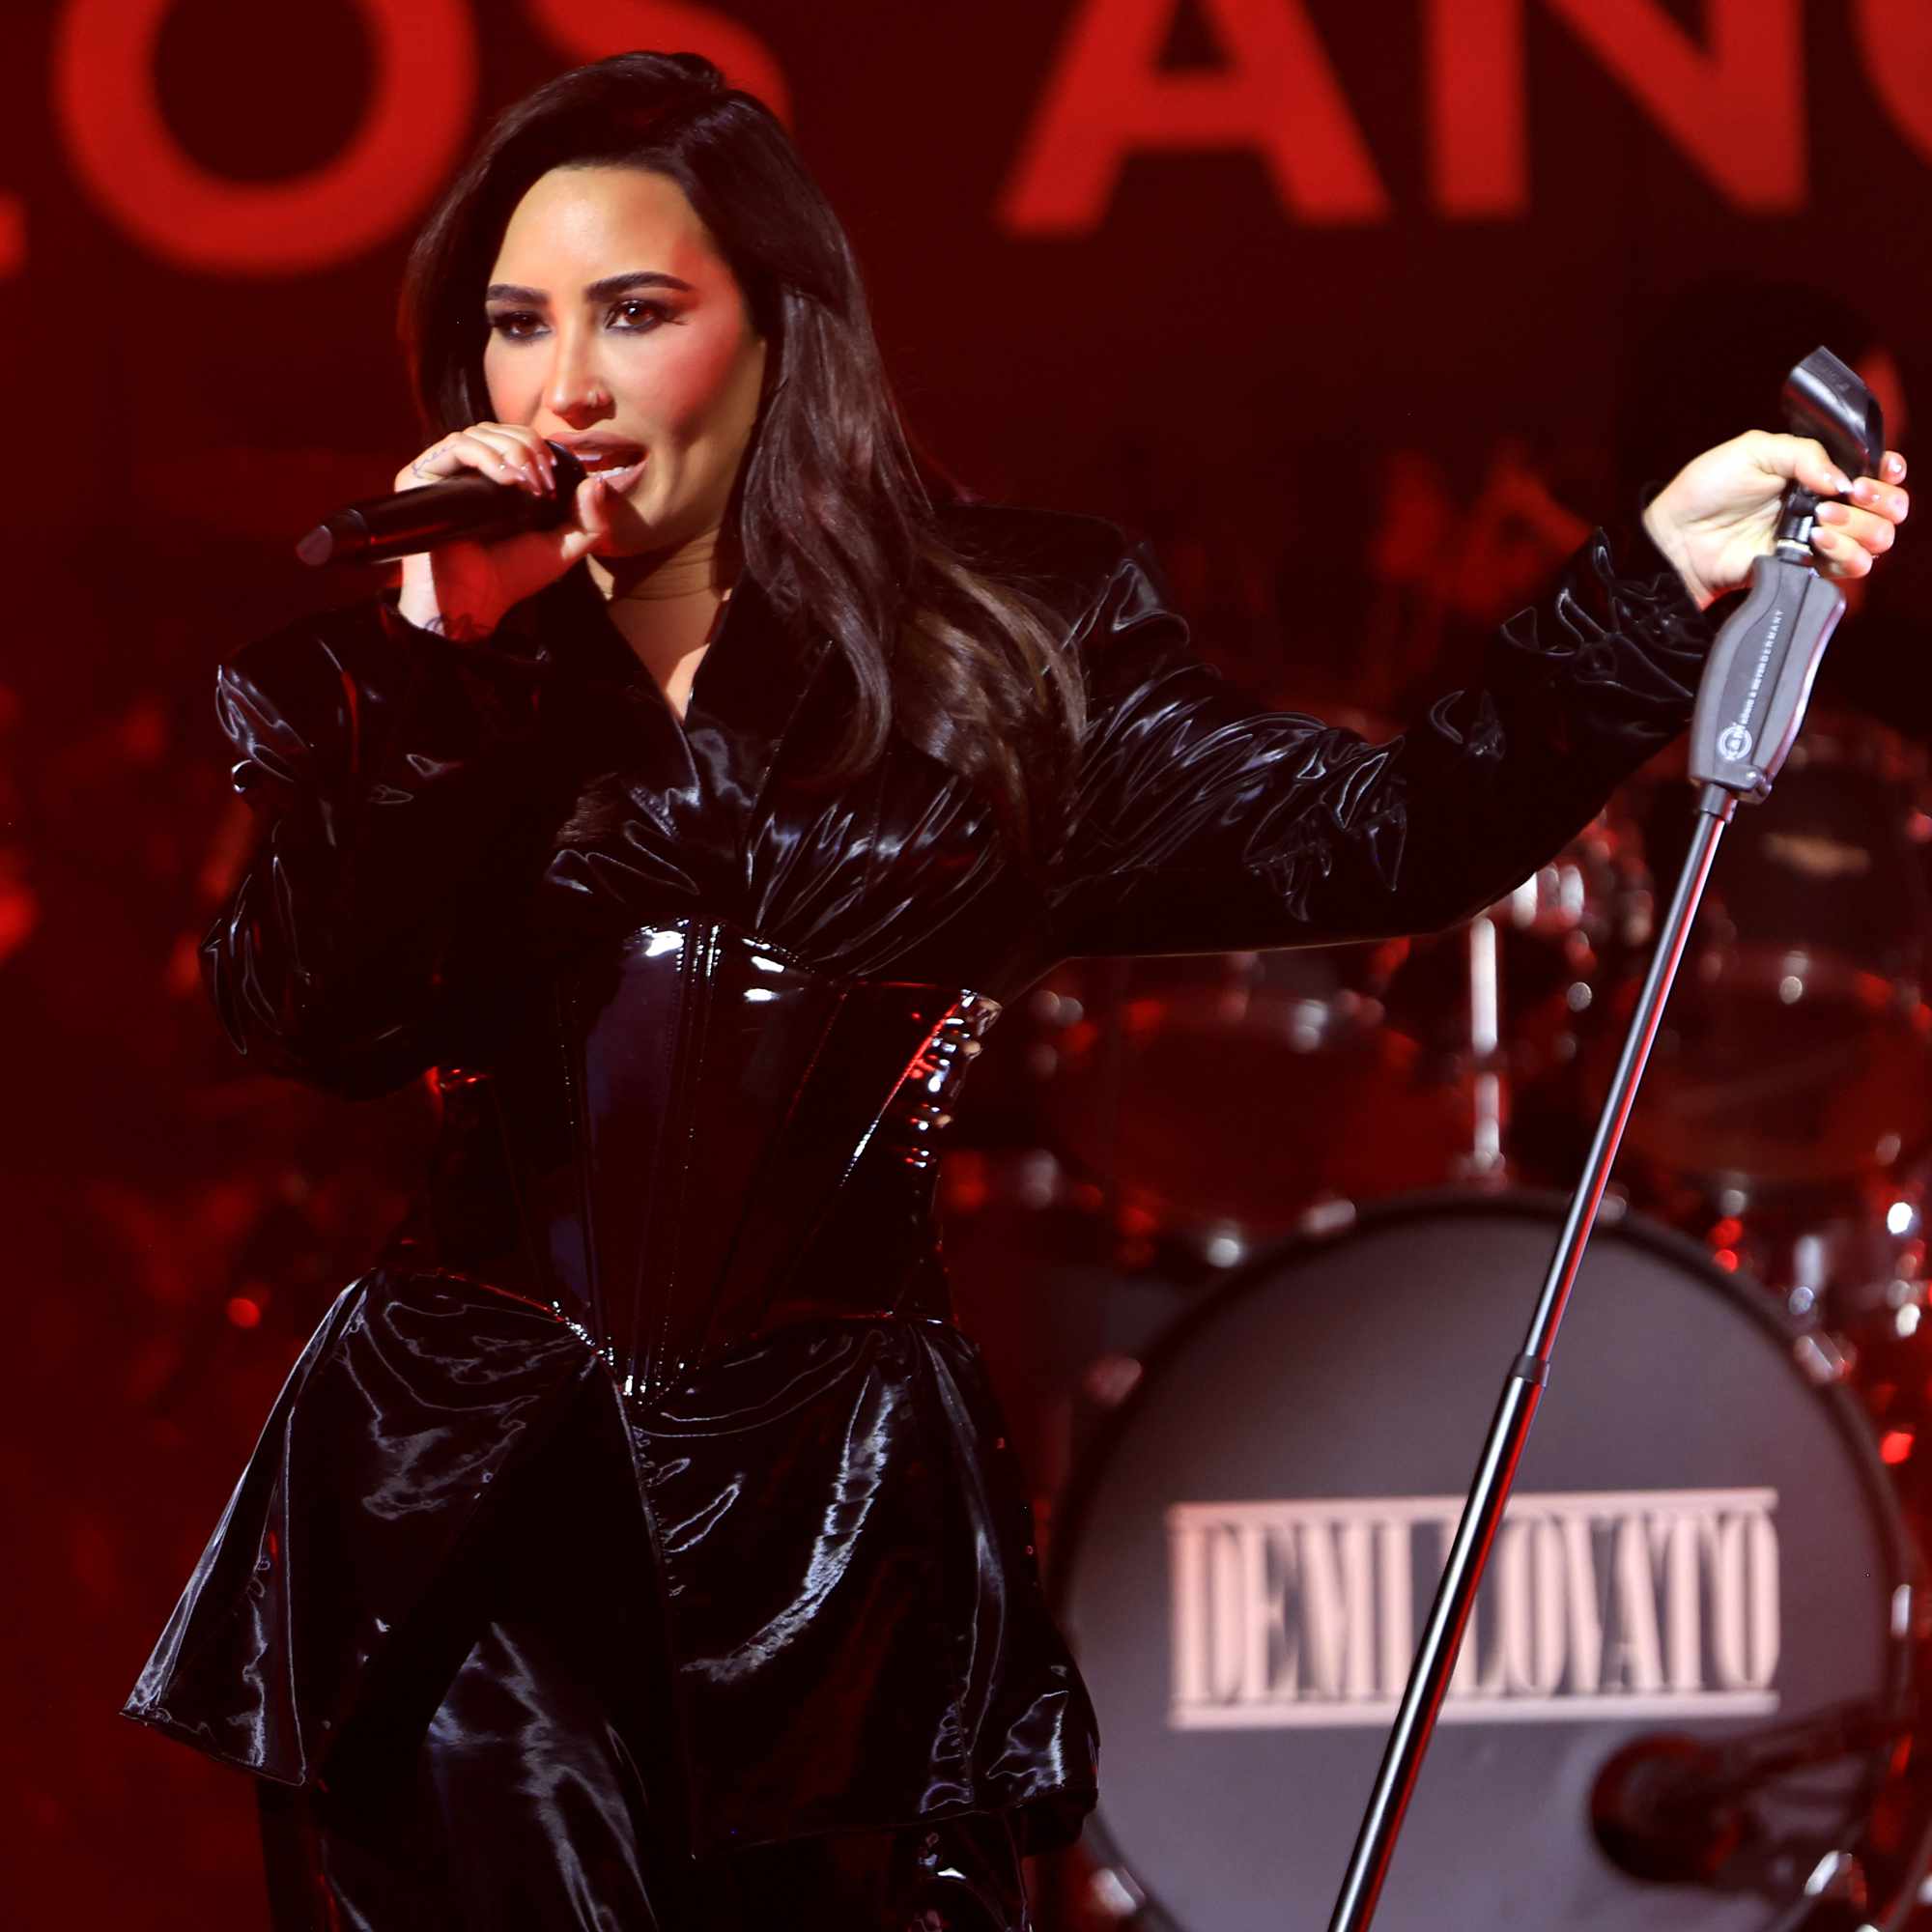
x=667 y=605
x=705 y=566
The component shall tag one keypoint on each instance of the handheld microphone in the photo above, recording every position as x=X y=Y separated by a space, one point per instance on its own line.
x=469 y=509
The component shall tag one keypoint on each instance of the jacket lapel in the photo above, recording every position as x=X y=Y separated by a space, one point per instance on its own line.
x=697 y=786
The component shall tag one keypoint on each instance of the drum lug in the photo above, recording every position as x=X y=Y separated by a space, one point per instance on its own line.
x=1839 y=1876
x=1223 y=1245
x=1111 y=1379
x=1821 y=1358
x=1114 y=1894
x=1335 y=1215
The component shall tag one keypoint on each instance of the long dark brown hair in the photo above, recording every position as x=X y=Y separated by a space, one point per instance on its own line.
x=835 y=521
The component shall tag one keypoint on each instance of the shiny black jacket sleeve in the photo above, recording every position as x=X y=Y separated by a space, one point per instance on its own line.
x=1201 y=821
x=381 y=761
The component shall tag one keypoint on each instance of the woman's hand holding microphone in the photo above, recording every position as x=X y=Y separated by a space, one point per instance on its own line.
x=462 y=589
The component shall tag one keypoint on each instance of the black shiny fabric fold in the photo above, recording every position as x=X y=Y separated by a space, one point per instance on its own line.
x=697 y=1023
x=826 y=1526
x=1203 y=823
x=413 y=1398
x=848 y=1563
x=542 y=1792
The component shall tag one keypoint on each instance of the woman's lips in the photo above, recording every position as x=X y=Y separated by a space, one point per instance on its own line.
x=618 y=480
x=616 y=458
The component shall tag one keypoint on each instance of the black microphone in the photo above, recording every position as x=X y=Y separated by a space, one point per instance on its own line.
x=469 y=509
x=1676 y=1809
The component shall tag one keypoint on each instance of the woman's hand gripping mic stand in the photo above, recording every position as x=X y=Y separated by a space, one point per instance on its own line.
x=1750 y=705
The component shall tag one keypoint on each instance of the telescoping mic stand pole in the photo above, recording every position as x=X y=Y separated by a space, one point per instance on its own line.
x=1750 y=705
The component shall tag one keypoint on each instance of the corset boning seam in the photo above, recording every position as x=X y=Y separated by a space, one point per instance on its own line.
x=796 y=1255
x=698 y=965
x=537 y=1256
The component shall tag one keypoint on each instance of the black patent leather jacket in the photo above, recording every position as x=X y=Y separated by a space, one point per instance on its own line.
x=692 y=1072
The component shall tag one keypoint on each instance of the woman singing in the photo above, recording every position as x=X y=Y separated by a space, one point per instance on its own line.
x=636 y=1545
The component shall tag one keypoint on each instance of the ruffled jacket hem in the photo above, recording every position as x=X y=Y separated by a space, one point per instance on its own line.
x=326 y=1585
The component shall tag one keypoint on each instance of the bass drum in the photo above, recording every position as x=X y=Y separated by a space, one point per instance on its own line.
x=1702 y=1550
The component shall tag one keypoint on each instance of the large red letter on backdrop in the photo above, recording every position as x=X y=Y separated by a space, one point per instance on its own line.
x=1108 y=97
x=1735 y=110
x=1896 y=36
x=111 y=121
x=1472 y=59
x=590 y=29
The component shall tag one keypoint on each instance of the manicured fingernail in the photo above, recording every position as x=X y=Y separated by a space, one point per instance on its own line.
x=1842 y=483
x=1832 y=513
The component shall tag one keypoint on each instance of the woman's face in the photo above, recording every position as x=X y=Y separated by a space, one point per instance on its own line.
x=613 y=316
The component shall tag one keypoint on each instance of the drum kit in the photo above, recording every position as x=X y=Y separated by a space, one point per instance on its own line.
x=1275 y=1218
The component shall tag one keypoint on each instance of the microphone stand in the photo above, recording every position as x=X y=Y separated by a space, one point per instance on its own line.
x=1750 y=703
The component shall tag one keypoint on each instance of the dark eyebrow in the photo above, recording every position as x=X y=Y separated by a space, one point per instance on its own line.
x=596 y=292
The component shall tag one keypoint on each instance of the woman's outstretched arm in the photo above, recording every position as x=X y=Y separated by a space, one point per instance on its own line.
x=1202 y=821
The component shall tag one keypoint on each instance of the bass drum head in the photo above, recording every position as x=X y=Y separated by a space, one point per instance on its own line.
x=1701 y=1545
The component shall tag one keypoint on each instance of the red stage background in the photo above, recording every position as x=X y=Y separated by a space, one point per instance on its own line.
x=1327 y=298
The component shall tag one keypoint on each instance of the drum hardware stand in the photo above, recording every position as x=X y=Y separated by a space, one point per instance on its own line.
x=1483 y=1162
x=1750 y=703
